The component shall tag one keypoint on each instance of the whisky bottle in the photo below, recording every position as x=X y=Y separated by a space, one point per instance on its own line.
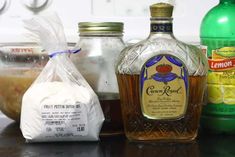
x=161 y=83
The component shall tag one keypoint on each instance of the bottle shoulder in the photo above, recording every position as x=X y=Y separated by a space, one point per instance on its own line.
x=221 y=18
x=132 y=58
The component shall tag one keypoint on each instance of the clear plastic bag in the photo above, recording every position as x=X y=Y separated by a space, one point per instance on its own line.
x=60 y=105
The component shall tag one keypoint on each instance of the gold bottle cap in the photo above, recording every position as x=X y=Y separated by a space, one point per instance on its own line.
x=162 y=10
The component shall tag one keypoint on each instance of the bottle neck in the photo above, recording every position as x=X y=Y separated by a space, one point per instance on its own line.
x=226 y=1
x=161 y=27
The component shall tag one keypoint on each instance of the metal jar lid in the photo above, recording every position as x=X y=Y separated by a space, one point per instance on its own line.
x=100 y=27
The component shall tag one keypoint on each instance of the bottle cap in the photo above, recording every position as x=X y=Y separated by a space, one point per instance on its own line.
x=163 y=10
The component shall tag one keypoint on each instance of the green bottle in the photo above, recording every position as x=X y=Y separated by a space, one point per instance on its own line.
x=218 y=34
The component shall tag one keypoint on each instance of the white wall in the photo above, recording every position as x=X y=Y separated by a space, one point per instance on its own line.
x=134 y=13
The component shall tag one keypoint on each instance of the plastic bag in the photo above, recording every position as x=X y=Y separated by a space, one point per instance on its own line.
x=59 y=105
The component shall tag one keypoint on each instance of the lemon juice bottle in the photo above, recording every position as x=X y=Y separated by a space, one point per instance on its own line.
x=218 y=34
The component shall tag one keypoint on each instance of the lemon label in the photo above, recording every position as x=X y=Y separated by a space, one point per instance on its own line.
x=221 y=76
x=222 y=59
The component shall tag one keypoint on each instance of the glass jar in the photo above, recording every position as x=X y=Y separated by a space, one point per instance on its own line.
x=161 y=83
x=20 y=64
x=100 y=45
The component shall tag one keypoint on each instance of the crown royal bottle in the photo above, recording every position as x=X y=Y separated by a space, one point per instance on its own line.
x=161 y=83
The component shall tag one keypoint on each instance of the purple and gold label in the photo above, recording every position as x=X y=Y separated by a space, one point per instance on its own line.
x=164 y=88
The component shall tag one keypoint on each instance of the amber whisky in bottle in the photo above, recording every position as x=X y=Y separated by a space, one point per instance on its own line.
x=161 y=82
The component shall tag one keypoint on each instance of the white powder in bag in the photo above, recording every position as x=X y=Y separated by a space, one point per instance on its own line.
x=60 y=111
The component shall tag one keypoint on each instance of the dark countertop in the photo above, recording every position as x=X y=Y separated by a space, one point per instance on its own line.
x=12 y=144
